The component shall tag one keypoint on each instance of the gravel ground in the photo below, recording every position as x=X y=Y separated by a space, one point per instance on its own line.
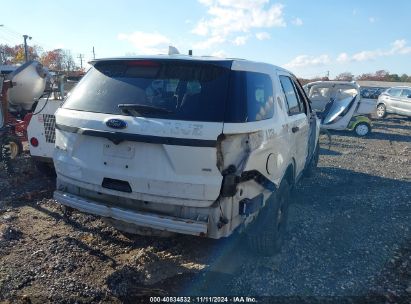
x=349 y=239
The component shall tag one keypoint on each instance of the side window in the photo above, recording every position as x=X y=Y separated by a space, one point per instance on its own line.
x=405 y=93
x=260 y=101
x=301 y=96
x=394 y=92
x=293 y=102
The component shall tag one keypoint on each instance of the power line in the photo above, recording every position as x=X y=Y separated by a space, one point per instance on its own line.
x=16 y=37
x=13 y=32
x=12 y=36
x=11 y=39
x=7 y=40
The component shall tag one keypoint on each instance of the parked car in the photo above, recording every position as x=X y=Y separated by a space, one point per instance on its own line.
x=371 y=92
x=191 y=145
x=396 y=100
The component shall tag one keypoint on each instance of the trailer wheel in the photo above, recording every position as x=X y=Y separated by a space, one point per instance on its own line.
x=362 y=129
x=15 y=146
x=266 y=235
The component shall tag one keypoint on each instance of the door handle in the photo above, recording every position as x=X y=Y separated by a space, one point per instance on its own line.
x=295 y=129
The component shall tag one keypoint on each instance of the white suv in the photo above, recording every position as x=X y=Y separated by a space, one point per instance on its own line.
x=192 y=145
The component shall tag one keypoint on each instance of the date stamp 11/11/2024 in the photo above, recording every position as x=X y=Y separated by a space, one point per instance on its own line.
x=201 y=299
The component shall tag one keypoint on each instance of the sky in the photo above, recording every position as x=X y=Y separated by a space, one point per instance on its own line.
x=309 y=38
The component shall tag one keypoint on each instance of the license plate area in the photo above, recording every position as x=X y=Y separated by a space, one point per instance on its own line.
x=123 y=150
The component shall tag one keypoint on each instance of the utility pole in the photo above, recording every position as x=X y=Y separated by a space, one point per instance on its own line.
x=81 y=56
x=94 y=54
x=26 y=53
x=2 y=53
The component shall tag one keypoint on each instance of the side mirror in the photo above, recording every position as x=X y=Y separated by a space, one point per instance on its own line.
x=409 y=96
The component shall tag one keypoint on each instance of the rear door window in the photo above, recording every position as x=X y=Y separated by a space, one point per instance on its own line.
x=405 y=93
x=302 y=98
x=294 y=103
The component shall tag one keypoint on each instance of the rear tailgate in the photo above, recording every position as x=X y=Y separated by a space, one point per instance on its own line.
x=164 y=158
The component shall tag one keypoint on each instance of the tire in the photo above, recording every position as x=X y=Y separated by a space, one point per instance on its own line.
x=309 y=170
x=381 y=111
x=266 y=235
x=15 y=146
x=362 y=129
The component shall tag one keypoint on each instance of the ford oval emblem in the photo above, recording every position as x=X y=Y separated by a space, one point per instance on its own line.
x=116 y=123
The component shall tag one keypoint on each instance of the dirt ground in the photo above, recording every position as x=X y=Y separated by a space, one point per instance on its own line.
x=349 y=239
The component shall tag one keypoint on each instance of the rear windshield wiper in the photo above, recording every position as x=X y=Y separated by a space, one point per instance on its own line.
x=129 y=107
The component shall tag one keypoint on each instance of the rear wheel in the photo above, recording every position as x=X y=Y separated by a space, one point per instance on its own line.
x=266 y=235
x=309 y=171
x=381 y=111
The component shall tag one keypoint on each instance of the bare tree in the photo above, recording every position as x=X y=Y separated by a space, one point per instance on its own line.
x=68 y=62
x=59 y=60
x=346 y=76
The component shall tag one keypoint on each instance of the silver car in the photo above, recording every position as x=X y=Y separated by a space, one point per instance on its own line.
x=396 y=100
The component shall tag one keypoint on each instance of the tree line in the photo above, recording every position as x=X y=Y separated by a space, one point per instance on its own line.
x=56 y=60
x=380 y=75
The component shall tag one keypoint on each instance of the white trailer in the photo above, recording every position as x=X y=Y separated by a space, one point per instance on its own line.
x=41 y=130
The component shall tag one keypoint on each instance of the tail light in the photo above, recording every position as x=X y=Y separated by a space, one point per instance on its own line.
x=34 y=142
x=142 y=63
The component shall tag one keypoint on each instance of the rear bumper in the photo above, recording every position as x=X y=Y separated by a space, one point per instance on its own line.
x=150 y=220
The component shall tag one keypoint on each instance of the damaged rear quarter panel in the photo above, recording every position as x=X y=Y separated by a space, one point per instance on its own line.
x=247 y=148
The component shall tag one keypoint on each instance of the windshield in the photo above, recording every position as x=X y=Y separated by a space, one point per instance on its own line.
x=162 y=89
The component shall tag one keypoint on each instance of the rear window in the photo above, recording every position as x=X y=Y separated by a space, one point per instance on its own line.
x=160 y=89
x=176 y=90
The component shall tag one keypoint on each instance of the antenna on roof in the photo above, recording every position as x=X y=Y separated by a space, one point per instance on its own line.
x=173 y=50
